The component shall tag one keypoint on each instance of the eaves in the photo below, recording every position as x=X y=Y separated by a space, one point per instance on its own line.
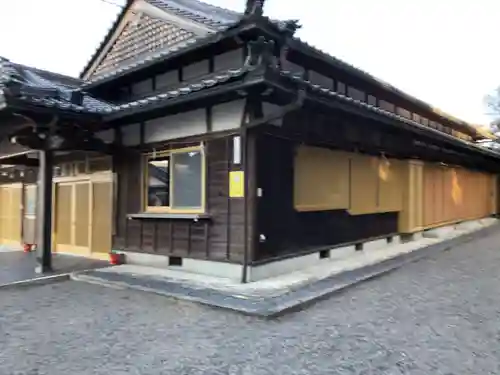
x=286 y=81
x=237 y=87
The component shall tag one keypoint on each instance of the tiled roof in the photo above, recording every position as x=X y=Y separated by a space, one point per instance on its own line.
x=216 y=18
x=151 y=38
x=184 y=89
x=140 y=39
x=198 y=11
x=220 y=19
x=45 y=88
x=374 y=109
x=38 y=90
x=212 y=16
x=153 y=56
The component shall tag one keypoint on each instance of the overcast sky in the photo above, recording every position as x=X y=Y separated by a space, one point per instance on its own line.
x=444 y=52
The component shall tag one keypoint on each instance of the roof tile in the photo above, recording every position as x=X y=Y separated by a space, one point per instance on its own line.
x=216 y=18
x=45 y=88
x=139 y=41
x=35 y=89
x=198 y=11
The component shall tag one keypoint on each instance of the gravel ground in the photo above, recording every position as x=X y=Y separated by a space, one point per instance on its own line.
x=436 y=316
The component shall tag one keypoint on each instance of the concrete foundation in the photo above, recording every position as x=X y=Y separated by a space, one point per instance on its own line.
x=147 y=259
x=332 y=256
x=469 y=225
x=441 y=232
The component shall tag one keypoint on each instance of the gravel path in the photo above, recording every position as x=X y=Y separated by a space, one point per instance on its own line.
x=436 y=316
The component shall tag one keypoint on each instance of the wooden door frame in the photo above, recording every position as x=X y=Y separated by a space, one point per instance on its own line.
x=90 y=179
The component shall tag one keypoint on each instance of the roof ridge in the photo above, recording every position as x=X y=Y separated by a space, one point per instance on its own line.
x=205 y=15
x=214 y=6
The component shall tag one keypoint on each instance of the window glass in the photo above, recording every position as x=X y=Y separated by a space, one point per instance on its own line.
x=187 y=179
x=158 y=188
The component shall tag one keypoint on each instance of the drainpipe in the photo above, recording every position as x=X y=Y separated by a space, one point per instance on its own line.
x=244 y=145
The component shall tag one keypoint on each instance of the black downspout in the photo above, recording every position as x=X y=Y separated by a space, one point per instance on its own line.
x=244 y=145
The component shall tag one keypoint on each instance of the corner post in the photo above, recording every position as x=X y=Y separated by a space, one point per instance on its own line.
x=44 y=215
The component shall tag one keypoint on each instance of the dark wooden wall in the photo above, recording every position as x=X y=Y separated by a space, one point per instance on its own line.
x=288 y=231
x=218 y=238
x=8 y=148
x=17 y=174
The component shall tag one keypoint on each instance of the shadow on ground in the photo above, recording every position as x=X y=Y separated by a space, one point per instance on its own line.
x=18 y=266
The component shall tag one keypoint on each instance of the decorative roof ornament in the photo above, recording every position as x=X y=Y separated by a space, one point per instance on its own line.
x=254 y=8
x=291 y=27
x=261 y=53
x=288 y=28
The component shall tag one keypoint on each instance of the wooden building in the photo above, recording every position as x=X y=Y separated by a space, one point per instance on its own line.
x=219 y=142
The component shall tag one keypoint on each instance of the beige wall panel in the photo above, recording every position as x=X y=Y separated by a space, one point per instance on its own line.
x=101 y=217
x=391 y=184
x=404 y=220
x=453 y=194
x=449 y=190
x=418 y=171
x=3 y=204
x=411 y=217
x=429 y=194
x=439 y=200
x=16 y=196
x=82 y=214
x=418 y=194
x=469 y=187
x=10 y=214
x=364 y=184
x=321 y=179
x=63 y=212
x=487 y=194
x=459 y=192
x=474 y=195
x=425 y=194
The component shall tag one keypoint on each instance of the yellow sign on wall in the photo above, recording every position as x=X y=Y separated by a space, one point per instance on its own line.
x=236 y=184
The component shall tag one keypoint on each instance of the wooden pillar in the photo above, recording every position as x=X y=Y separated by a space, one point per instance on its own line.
x=411 y=217
x=44 y=212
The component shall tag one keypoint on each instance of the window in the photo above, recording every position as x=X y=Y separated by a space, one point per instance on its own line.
x=159 y=182
x=175 y=181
